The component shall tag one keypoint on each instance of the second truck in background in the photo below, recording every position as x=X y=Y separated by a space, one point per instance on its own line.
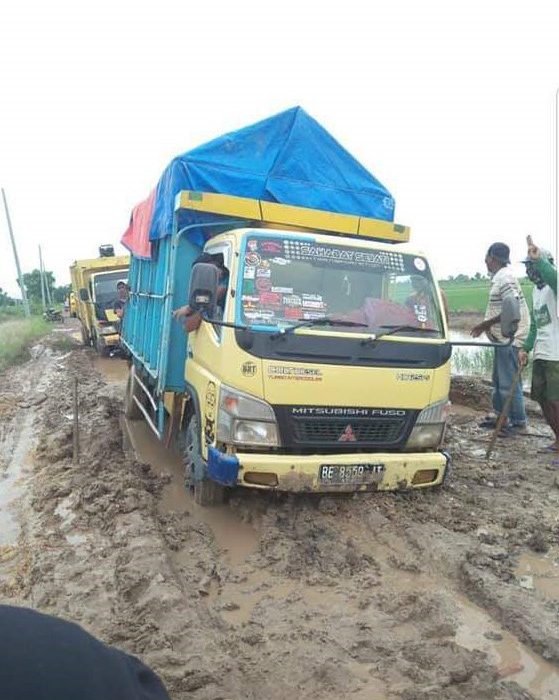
x=94 y=283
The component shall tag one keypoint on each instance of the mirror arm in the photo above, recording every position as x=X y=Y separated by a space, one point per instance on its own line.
x=225 y=324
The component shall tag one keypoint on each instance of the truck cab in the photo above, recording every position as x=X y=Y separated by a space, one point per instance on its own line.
x=324 y=368
x=94 y=287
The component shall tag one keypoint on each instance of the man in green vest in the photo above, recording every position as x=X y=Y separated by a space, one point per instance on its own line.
x=543 y=338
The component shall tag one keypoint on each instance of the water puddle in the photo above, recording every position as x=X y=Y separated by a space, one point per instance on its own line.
x=512 y=658
x=539 y=572
x=114 y=369
x=11 y=481
x=239 y=599
x=237 y=538
x=476 y=361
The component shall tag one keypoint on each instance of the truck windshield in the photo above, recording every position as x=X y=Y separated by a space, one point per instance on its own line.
x=104 y=286
x=288 y=280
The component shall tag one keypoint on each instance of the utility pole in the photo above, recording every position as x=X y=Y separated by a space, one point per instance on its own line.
x=41 y=274
x=19 y=275
x=47 y=286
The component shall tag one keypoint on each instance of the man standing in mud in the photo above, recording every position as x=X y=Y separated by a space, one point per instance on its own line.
x=506 y=359
x=544 y=336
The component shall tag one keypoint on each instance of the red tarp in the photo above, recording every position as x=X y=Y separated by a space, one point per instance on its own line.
x=136 y=236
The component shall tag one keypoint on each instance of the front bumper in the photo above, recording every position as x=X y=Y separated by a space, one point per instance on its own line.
x=109 y=341
x=297 y=473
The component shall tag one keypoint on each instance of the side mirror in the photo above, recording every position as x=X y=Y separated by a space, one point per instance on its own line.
x=510 y=316
x=84 y=296
x=202 y=295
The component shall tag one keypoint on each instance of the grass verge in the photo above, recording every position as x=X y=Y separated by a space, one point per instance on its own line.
x=17 y=336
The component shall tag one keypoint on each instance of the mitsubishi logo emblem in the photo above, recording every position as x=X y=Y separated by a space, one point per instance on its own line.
x=348 y=435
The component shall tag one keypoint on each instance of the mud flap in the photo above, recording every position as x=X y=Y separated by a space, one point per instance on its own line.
x=222 y=468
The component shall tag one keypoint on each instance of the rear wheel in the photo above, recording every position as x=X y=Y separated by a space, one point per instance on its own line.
x=205 y=491
x=131 y=409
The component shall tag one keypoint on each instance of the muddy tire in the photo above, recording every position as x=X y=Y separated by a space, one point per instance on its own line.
x=205 y=491
x=101 y=348
x=85 y=337
x=131 y=410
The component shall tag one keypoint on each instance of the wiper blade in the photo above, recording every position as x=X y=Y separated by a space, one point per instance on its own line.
x=391 y=330
x=323 y=321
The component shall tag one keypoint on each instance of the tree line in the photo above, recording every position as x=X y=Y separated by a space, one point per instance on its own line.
x=32 y=282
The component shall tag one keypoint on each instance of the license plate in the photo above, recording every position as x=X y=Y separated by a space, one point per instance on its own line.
x=350 y=473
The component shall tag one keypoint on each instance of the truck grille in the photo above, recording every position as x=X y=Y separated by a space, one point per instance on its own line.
x=370 y=432
x=332 y=429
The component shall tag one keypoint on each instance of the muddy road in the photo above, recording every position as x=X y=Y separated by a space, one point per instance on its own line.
x=446 y=594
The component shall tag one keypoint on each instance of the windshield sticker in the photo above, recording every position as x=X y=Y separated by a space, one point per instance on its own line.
x=283 y=290
x=272 y=247
x=252 y=259
x=280 y=261
x=263 y=272
x=249 y=273
x=292 y=313
x=420 y=311
x=302 y=374
x=420 y=264
x=252 y=245
x=309 y=304
x=333 y=255
x=292 y=300
x=263 y=284
x=270 y=298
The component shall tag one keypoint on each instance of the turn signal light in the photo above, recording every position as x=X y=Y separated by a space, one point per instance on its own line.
x=261 y=478
x=425 y=476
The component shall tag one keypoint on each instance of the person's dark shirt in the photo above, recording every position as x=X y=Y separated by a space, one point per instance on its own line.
x=119 y=304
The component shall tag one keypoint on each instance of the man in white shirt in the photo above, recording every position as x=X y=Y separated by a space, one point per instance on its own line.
x=506 y=361
x=544 y=336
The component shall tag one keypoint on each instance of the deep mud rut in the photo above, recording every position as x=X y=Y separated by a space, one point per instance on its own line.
x=446 y=594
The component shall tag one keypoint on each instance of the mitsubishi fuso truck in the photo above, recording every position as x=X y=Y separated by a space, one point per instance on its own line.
x=308 y=351
x=94 y=283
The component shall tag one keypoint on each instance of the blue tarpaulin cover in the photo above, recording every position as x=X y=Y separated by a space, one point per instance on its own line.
x=288 y=158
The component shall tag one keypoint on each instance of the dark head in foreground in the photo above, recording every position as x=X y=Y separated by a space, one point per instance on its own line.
x=45 y=658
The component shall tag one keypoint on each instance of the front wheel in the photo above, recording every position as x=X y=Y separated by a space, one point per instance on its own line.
x=85 y=336
x=205 y=491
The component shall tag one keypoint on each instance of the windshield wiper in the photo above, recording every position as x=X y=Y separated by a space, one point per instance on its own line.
x=323 y=321
x=391 y=330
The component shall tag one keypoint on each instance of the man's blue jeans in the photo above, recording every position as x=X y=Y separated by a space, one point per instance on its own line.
x=505 y=366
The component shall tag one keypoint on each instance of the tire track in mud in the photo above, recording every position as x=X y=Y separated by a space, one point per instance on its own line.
x=275 y=597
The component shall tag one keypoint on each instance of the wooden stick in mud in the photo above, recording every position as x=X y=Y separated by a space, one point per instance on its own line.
x=504 y=413
x=76 y=451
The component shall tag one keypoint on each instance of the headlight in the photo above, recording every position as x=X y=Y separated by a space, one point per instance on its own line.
x=429 y=427
x=435 y=413
x=245 y=420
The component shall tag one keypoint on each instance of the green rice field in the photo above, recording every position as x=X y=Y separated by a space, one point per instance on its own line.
x=472 y=296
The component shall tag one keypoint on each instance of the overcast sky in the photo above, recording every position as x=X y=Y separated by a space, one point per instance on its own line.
x=451 y=105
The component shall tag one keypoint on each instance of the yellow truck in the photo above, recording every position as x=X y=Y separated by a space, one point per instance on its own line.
x=94 y=286
x=326 y=368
